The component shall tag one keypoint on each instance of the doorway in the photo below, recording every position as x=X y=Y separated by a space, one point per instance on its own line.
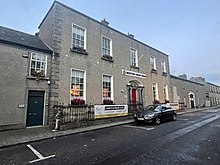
x=192 y=100
x=135 y=95
x=35 y=108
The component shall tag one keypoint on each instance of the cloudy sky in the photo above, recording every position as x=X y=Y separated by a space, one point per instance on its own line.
x=187 y=30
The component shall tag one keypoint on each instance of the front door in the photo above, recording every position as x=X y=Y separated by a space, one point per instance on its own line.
x=134 y=98
x=35 y=108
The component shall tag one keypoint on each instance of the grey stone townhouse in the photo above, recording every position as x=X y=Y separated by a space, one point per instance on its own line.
x=24 y=78
x=187 y=93
x=75 y=59
x=212 y=91
x=96 y=64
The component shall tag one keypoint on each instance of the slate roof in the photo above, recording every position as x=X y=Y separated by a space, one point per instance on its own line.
x=20 y=39
x=175 y=77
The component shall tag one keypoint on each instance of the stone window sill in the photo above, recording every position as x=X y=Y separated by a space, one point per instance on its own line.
x=164 y=74
x=79 y=50
x=107 y=59
x=154 y=71
x=135 y=67
x=34 y=78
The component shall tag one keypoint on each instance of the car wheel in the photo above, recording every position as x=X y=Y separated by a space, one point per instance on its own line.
x=157 y=120
x=174 y=117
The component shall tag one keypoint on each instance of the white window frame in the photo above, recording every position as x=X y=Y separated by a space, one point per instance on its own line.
x=156 y=92
x=165 y=92
x=84 y=83
x=112 y=92
x=163 y=66
x=85 y=34
x=41 y=61
x=133 y=57
x=153 y=62
x=103 y=46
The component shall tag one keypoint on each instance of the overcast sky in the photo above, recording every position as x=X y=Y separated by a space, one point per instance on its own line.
x=187 y=30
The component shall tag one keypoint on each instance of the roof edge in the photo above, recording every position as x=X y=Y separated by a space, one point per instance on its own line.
x=47 y=14
x=25 y=46
x=57 y=2
x=176 y=77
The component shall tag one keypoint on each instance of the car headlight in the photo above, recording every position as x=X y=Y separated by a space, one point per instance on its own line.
x=149 y=116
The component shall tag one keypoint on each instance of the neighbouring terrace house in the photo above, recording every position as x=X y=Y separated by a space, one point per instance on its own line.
x=24 y=77
x=213 y=94
x=96 y=64
x=212 y=91
x=187 y=93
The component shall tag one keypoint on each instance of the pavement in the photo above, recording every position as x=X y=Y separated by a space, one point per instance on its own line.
x=32 y=134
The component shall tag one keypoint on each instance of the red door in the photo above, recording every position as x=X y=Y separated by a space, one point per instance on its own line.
x=134 y=99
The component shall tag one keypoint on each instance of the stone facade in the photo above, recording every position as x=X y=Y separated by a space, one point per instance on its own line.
x=213 y=94
x=188 y=93
x=212 y=91
x=127 y=81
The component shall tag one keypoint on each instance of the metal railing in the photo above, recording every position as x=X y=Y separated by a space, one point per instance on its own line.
x=75 y=113
x=134 y=107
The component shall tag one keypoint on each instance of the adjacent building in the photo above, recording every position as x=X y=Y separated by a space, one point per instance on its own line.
x=212 y=91
x=25 y=73
x=187 y=93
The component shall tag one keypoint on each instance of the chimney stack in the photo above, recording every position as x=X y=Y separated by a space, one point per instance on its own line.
x=130 y=35
x=104 y=22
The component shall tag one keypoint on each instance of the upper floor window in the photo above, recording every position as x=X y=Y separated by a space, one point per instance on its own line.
x=79 y=37
x=106 y=47
x=153 y=63
x=38 y=64
x=163 y=66
x=133 y=56
x=77 y=82
x=107 y=87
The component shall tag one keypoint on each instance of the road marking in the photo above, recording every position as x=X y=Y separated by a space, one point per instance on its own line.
x=136 y=127
x=190 y=128
x=38 y=154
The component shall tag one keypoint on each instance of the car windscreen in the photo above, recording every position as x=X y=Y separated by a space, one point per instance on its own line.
x=153 y=108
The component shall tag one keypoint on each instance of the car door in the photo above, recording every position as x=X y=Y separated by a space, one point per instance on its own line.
x=163 y=113
x=169 y=113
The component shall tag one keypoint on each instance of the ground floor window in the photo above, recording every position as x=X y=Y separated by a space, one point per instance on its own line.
x=165 y=91
x=107 y=89
x=155 y=92
x=77 y=87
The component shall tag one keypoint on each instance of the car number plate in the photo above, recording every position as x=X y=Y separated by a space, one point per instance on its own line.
x=140 y=118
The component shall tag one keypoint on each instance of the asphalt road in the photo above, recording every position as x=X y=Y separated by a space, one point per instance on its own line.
x=193 y=139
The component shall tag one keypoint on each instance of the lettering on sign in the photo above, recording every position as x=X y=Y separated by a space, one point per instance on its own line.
x=134 y=74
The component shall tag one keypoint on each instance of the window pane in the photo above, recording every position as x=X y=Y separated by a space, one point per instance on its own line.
x=33 y=56
x=77 y=86
x=78 y=37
